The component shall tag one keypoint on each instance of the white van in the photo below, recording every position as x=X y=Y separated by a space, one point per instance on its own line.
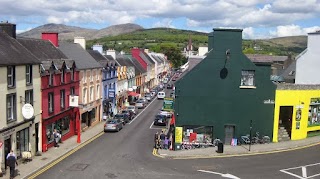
x=161 y=95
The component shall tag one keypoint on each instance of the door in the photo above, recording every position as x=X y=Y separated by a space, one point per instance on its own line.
x=37 y=136
x=7 y=148
x=229 y=134
x=285 y=118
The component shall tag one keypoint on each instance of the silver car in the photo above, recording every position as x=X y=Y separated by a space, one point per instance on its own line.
x=140 y=104
x=113 y=125
x=133 y=109
x=148 y=96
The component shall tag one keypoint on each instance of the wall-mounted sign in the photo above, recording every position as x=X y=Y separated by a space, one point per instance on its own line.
x=178 y=135
x=268 y=101
x=73 y=101
x=111 y=93
x=27 y=111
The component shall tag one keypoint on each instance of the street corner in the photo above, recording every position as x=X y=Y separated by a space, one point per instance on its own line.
x=155 y=153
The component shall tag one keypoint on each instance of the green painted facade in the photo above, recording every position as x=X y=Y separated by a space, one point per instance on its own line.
x=205 y=98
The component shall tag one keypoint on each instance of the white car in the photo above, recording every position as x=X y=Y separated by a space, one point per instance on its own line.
x=165 y=113
x=161 y=95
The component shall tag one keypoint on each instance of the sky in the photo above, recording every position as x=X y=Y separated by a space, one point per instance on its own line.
x=259 y=19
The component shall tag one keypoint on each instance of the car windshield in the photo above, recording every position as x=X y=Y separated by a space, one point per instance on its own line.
x=130 y=107
x=117 y=116
x=139 y=101
x=112 y=122
x=160 y=116
x=125 y=111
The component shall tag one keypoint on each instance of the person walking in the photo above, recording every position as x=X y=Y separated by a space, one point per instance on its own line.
x=162 y=138
x=156 y=138
x=56 y=137
x=12 y=162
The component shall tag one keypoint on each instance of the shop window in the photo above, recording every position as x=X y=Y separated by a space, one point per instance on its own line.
x=247 y=78
x=22 y=139
x=199 y=134
x=93 y=115
x=314 y=112
x=62 y=126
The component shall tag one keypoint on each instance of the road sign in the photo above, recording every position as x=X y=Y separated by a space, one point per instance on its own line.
x=168 y=104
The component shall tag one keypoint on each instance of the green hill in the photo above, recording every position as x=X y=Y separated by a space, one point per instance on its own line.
x=152 y=38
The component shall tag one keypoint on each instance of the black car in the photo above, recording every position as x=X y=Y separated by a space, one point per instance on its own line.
x=129 y=113
x=160 y=120
x=123 y=117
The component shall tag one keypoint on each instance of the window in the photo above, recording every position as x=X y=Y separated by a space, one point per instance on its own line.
x=62 y=125
x=11 y=76
x=62 y=99
x=51 y=77
x=91 y=93
x=97 y=75
x=72 y=74
x=84 y=95
x=247 y=78
x=11 y=107
x=62 y=75
x=29 y=74
x=50 y=102
x=98 y=91
x=91 y=75
x=22 y=138
x=314 y=112
x=29 y=97
x=72 y=92
x=84 y=76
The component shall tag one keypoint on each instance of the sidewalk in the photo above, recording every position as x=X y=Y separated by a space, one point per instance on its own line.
x=53 y=154
x=229 y=150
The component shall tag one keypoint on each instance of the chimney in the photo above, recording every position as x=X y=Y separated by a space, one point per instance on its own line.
x=313 y=41
x=146 y=50
x=227 y=39
x=112 y=52
x=8 y=28
x=81 y=41
x=52 y=37
x=98 y=48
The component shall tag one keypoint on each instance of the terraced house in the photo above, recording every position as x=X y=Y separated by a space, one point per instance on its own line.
x=20 y=127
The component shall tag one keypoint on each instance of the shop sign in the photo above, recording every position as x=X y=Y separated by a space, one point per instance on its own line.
x=111 y=93
x=8 y=132
x=168 y=104
x=268 y=101
x=27 y=111
x=178 y=135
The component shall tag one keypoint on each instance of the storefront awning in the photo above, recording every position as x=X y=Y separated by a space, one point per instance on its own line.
x=132 y=93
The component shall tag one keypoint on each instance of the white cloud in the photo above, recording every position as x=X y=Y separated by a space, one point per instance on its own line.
x=164 y=23
x=292 y=30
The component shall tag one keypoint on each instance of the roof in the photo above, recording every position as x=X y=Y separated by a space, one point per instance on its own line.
x=82 y=58
x=146 y=58
x=14 y=53
x=123 y=60
x=288 y=86
x=58 y=63
x=290 y=72
x=193 y=61
x=155 y=57
x=42 y=49
x=261 y=58
x=96 y=55
x=138 y=67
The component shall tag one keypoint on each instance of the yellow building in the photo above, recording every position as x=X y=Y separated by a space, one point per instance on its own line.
x=297 y=111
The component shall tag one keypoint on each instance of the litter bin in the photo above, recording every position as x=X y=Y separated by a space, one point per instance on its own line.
x=220 y=147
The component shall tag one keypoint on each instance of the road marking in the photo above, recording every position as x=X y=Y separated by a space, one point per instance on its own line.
x=151 y=125
x=304 y=171
x=142 y=111
x=227 y=175
x=56 y=161
x=155 y=153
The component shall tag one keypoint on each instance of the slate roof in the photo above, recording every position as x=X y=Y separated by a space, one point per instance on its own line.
x=13 y=53
x=193 y=61
x=290 y=72
x=146 y=58
x=96 y=55
x=288 y=86
x=138 y=67
x=58 y=63
x=157 y=58
x=82 y=58
x=124 y=60
x=260 y=58
x=42 y=49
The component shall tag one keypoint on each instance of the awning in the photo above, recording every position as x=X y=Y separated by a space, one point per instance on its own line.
x=132 y=93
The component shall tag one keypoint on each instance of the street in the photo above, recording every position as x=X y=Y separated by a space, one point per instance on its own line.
x=128 y=154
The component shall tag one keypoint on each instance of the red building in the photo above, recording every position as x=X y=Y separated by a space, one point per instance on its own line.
x=59 y=80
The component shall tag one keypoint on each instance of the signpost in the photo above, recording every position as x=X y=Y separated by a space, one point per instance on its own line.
x=27 y=111
x=168 y=104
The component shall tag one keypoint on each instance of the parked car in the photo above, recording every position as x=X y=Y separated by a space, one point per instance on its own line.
x=133 y=109
x=113 y=125
x=123 y=117
x=161 y=95
x=169 y=86
x=153 y=92
x=148 y=96
x=172 y=94
x=144 y=100
x=129 y=113
x=160 y=120
x=165 y=113
x=140 y=104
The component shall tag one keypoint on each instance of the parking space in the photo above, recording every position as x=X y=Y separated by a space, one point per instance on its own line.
x=304 y=172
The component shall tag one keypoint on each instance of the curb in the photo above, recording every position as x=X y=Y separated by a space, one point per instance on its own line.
x=156 y=154
x=55 y=161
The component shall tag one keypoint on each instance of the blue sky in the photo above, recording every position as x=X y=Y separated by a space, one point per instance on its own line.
x=257 y=18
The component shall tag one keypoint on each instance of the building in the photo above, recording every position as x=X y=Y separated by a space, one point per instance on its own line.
x=90 y=81
x=225 y=93
x=140 y=76
x=59 y=80
x=307 y=62
x=20 y=128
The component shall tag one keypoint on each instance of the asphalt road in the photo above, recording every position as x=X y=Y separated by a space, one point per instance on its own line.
x=128 y=154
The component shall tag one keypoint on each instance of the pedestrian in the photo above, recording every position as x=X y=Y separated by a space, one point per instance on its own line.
x=166 y=143
x=162 y=138
x=12 y=162
x=156 y=138
x=56 y=137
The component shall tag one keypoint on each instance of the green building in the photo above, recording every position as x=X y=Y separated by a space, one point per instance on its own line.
x=225 y=94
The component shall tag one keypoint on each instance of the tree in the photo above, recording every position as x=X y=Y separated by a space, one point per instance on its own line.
x=173 y=54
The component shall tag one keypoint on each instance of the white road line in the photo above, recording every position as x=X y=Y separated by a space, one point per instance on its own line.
x=304 y=172
x=151 y=125
x=142 y=111
x=292 y=174
x=226 y=175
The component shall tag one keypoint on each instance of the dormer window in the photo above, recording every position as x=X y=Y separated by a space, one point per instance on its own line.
x=247 y=79
x=72 y=74
x=51 y=78
x=62 y=75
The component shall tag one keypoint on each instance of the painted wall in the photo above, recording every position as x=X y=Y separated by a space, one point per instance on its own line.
x=297 y=99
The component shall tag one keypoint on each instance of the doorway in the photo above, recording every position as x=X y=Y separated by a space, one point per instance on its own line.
x=285 y=118
x=229 y=134
x=37 y=136
x=7 y=148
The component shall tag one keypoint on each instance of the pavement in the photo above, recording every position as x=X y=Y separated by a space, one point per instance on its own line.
x=55 y=155
x=242 y=150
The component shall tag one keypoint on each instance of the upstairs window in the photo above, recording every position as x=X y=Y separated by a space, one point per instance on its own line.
x=247 y=78
x=11 y=108
x=11 y=76
x=91 y=75
x=51 y=78
x=62 y=76
x=98 y=91
x=72 y=74
x=29 y=74
x=29 y=97
x=72 y=92
x=91 y=93
x=50 y=103
x=84 y=96
x=62 y=99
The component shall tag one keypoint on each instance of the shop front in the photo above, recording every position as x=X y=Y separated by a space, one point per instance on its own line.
x=297 y=110
x=64 y=123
